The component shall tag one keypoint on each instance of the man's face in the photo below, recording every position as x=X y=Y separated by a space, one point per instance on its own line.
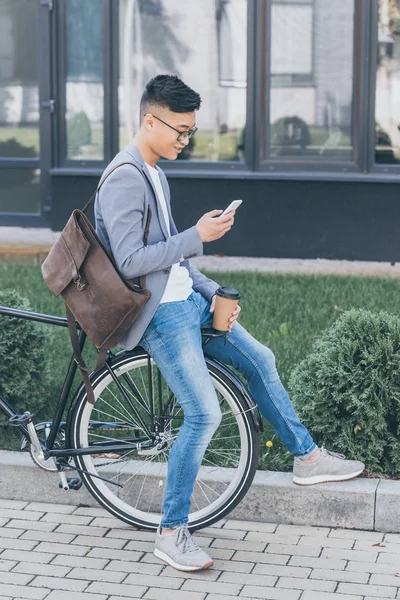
x=162 y=139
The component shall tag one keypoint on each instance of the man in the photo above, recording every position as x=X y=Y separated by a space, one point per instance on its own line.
x=182 y=302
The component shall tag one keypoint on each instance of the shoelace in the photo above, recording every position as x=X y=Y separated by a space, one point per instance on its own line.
x=333 y=454
x=184 y=540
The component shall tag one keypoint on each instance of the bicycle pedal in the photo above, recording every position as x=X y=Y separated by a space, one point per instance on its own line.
x=74 y=483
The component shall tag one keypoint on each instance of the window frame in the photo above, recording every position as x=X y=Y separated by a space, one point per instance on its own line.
x=287 y=165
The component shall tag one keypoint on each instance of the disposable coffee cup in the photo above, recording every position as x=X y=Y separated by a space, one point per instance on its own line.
x=226 y=300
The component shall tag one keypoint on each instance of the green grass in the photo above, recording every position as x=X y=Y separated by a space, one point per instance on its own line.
x=285 y=312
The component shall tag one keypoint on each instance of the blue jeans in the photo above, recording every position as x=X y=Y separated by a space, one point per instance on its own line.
x=173 y=339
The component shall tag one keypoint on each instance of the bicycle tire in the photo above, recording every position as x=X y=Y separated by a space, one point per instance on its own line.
x=80 y=427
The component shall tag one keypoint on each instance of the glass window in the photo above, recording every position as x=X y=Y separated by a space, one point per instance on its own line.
x=311 y=84
x=84 y=79
x=19 y=97
x=20 y=190
x=387 y=98
x=204 y=43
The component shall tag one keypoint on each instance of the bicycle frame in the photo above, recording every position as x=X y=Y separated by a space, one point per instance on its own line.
x=48 y=447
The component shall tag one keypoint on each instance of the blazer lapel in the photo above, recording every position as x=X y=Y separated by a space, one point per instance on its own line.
x=134 y=152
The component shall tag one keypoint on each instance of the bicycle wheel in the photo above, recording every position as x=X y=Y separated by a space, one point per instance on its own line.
x=134 y=406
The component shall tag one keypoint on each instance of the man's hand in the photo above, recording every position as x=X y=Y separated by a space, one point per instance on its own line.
x=234 y=316
x=211 y=227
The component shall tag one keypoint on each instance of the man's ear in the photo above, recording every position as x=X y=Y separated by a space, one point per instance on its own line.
x=148 y=122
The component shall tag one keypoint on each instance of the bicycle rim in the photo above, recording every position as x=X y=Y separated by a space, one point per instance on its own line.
x=228 y=466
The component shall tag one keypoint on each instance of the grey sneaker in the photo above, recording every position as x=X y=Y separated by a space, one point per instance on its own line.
x=329 y=467
x=179 y=550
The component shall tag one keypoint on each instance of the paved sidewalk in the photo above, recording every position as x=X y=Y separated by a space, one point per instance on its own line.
x=64 y=552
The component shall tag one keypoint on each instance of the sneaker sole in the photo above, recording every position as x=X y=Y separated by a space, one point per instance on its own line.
x=324 y=479
x=179 y=567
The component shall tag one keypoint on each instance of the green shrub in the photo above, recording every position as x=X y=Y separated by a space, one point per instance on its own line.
x=24 y=375
x=79 y=133
x=347 y=391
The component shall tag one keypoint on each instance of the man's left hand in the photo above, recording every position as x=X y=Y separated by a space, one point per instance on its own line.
x=233 y=318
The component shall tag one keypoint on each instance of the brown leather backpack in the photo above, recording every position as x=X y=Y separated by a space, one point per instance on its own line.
x=81 y=270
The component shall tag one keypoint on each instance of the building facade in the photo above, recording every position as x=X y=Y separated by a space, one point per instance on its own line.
x=300 y=114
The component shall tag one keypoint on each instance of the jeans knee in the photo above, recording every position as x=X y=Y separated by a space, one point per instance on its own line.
x=207 y=420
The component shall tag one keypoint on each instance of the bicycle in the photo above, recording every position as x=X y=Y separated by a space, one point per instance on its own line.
x=119 y=446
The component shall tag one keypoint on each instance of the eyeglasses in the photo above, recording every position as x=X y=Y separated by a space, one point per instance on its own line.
x=183 y=135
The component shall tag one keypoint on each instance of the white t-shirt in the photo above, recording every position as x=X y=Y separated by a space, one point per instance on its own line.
x=179 y=284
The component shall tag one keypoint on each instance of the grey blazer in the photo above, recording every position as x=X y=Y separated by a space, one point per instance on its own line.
x=121 y=211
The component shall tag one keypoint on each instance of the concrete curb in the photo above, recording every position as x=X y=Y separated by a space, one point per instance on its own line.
x=369 y=504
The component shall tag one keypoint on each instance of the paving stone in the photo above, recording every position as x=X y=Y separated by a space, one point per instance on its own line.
x=327 y=542
x=261 y=557
x=137 y=567
x=281 y=570
x=301 y=583
x=232 y=565
x=388 y=557
x=311 y=595
x=10 y=533
x=148 y=580
x=117 y=588
x=349 y=554
x=17 y=544
x=109 y=522
x=79 y=561
x=349 y=576
x=96 y=575
x=249 y=579
x=66 y=519
x=13 y=504
x=55 y=548
x=393 y=538
x=303 y=530
x=87 y=540
x=33 y=525
x=221 y=533
x=371 y=590
x=41 y=569
x=318 y=563
x=48 y=508
x=385 y=546
x=239 y=545
x=57 y=583
x=60 y=595
x=251 y=526
x=21 y=592
x=15 y=578
x=80 y=529
x=111 y=554
x=294 y=550
x=20 y=514
x=91 y=511
x=22 y=555
x=131 y=534
x=162 y=594
x=7 y=565
x=393 y=580
x=47 y=536
x=389 y=568
x=252 y=591
x=355 y=534
x=256 y=536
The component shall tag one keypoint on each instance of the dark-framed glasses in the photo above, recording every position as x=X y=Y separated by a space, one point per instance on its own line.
x=183 y=135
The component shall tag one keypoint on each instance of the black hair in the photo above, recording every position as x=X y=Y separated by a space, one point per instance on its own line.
x=168 y=91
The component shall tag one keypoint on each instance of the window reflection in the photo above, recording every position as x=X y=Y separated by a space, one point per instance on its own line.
x=19 y=97
x=84 y=79
x=204 y=43
x=387 y=111
x=20 y=190
x=311 y=79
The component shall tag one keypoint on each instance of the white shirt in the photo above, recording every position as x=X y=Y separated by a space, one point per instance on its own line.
x=179 y=284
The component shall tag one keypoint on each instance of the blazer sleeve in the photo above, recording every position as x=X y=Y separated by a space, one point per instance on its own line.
x=202 y=284
x=121 y=202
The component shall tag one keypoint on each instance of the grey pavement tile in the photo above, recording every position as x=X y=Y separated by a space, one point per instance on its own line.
x=130 y=534
x=21 y=592
x=349 y=576
x=393 y=580
x=11 y=513
x=22 y=555
x=252 y=591
x=91 y=511
x=301 y=583
x=17 y=544
x=61 y=595
x=33 y=525
x=370 y=590
x=15 y=578
x=261 y=557
x=162 y=594
x=113 y=554
x=284 y=538
x=250 y=526
x=312 y=595
x=79 y=561
x=10 y=533
x=327 y=542
x=117 y=589
x=294 y=550
x=80 y=529
x=281 y=570
x=87 y=540
x=393 y=538
x=389 y=557
x=356 y=534
x=210 y=574
x=59 y=583
x=149 y=580
x=317 y=563
x=384 y=546
x=214 y=587
x=232 y=565
x=50 y=507
x=221 y=533
x=41 y=569
x=303 y=530
x=109 y=521
x=13 y=504
x=136 y=567
x=371 y=567
x=249 y=579
x=96 y=575
x=7 y=565
x=48 y=536
x=248 y=546
x=360 y=555
x=55 y=548
x=65 y=519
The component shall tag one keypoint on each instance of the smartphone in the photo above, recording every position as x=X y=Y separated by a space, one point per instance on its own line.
x=233 y=206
